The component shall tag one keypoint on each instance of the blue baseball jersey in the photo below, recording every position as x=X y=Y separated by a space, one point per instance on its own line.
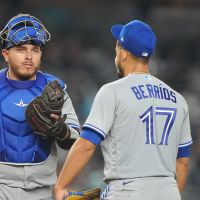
x=25 y=157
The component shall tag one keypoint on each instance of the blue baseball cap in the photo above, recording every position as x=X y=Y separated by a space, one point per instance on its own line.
x=137 y=37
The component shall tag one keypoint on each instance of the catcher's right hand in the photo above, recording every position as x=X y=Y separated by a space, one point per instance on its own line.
x=93 y=194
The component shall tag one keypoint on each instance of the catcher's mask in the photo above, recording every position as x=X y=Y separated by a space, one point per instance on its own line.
x=24 y=29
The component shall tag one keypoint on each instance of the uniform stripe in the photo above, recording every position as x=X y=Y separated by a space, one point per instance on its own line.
x=185 y=144
x=74 y=126
x=104 y=194
x=95 y=129
x=91 y=136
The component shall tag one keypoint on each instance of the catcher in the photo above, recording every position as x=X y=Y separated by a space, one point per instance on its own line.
x=36 y=113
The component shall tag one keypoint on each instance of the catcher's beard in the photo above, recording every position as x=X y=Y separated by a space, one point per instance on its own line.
x=23 y=74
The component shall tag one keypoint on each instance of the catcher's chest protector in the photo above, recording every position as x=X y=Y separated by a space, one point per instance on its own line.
x=18 y=144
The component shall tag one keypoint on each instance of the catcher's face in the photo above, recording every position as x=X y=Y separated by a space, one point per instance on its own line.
x=23 y=61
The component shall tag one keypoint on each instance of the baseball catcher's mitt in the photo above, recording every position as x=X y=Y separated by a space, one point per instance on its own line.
x=39 y=110
x=93 y=194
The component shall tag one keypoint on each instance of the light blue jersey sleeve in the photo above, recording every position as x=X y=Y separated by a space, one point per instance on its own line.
x=185 y=141
x=102 y=113
x=185 y=136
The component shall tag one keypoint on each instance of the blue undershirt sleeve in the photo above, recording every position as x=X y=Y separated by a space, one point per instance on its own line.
x=91 y=136
x=183 y=151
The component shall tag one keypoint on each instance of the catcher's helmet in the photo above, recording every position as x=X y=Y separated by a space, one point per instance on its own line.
x=22 y=29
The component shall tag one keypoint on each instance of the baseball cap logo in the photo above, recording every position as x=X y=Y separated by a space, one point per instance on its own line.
x=145 y=54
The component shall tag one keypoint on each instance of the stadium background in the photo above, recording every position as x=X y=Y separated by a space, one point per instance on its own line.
x=81 y=52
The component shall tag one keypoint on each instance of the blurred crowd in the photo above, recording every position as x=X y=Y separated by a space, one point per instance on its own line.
x=81 y=52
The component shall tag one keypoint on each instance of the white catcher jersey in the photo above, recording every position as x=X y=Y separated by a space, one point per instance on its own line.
x=143 y=122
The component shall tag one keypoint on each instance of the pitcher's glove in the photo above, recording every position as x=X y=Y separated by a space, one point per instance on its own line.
x=93 y=194
x=39 y=110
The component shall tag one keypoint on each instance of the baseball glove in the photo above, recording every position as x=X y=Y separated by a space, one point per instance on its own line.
x=39 y=110
x=93 y=194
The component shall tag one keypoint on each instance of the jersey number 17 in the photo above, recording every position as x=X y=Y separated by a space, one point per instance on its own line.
x=148 y=118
